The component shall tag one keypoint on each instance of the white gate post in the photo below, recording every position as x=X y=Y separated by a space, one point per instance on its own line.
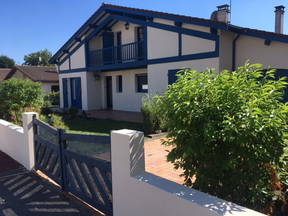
x=28 y=149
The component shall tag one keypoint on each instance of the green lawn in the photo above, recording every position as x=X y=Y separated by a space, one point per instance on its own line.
x=99 y=127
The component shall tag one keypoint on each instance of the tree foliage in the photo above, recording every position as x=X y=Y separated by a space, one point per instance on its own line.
x=228 y=130
x=40 y=58
x=6 y=62
x=17 y=96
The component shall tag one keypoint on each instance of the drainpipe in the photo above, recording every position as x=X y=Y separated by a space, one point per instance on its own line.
x=234 y=52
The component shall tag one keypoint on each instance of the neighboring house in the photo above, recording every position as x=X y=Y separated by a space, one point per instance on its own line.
x=120 y=54
x=4 y=73
x=47 y=76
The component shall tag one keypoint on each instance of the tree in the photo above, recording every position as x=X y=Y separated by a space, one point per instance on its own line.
x=38 y=58
x=227 y=130
x=6 y=62
x=17 y=96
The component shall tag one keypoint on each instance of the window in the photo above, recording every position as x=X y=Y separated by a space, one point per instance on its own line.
x=55 y=88
x=119 y=83
x=172 y=78
x=140 y=33
x=142 y=83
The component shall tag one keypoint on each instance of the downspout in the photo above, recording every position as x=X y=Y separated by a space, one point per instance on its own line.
x=234 y=51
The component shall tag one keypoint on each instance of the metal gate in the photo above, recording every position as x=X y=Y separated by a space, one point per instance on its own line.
x=86 y=175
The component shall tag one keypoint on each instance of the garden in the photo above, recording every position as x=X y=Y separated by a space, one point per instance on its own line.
x=228 y=131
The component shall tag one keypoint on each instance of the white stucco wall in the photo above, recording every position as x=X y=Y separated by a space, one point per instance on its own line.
x=161 y=43
x=64 y=65
x=83 y=76
x=196 y=27
x=158 y=73
x=193 y=45
x=129 y=99
x=225 y=49
x=18 y=142
x=94 y=92
x=46 y=87
x=78 y=58
x=136 y=192
x=254 y=49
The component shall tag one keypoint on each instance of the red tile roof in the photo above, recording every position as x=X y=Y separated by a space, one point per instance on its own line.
x=39 y=73
x=4 y=73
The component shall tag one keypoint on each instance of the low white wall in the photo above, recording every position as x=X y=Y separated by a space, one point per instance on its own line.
x=18 y=142
x=136 y=192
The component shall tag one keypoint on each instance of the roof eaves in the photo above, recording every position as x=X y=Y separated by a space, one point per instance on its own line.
x=75 y=35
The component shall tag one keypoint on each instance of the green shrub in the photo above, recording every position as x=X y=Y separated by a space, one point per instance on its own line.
x=151 y=120
x=226 y=129
x=17 y=96
x=52 y=99
x=54 y=120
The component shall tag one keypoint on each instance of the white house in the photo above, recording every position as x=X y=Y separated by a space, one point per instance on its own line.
x=120 y=53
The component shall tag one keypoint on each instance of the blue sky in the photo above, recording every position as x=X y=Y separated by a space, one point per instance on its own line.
x=30 y=25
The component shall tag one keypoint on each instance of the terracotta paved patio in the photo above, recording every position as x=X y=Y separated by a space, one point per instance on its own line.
x=156 y=163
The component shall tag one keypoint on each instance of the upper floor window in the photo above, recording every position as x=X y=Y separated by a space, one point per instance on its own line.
x=140 y=33
x=119 y=87
x=142 y=83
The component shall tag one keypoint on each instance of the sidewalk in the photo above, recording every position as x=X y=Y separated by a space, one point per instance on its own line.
x=24 y=193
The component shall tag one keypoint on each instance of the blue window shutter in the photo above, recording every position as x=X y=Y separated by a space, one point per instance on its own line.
x=172 y=78
x=65 y=92
x=78 y=93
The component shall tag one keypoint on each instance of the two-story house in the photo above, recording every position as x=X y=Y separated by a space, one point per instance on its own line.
x=120 y=54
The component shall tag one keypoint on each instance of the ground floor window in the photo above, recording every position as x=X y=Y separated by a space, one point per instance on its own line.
x=142 y=83
x=55 y=88
x=119 y=87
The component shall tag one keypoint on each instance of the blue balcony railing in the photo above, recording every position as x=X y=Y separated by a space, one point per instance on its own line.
x=122 y=54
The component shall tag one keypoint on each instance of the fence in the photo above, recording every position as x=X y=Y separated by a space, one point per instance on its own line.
x=83 y=175
x=135 y=192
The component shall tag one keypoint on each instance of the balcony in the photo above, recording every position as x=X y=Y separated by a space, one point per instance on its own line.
x=118 y=55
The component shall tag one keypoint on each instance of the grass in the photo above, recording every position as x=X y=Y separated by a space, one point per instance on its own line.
x=98 y=127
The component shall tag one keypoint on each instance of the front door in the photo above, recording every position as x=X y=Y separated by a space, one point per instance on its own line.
x=109 y=104
x=76 y=93
x=108 y=46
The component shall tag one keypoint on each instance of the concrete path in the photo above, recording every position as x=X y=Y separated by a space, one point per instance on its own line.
x=24 y=193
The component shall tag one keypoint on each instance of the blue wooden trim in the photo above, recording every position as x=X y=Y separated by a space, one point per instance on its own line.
x=200 y=34
x=243 y=31
x=98 y=29
x=69 y=62
x=136 y=64
x=179 y=44
x=86 y=138
x=76 y=35
x=75 y=70
x=154 y=15
x=184 y=57
x=86 y=53
x=45 y=125
x=145 y=42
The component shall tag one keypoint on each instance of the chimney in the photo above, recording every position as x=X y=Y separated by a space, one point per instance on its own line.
x=222 y=14
x=279 y=19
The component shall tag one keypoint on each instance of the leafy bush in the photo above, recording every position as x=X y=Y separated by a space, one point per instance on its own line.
x=17 y=96
x=227 y=129
x=52 y=99
x=54 y=120
x=151 y=120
